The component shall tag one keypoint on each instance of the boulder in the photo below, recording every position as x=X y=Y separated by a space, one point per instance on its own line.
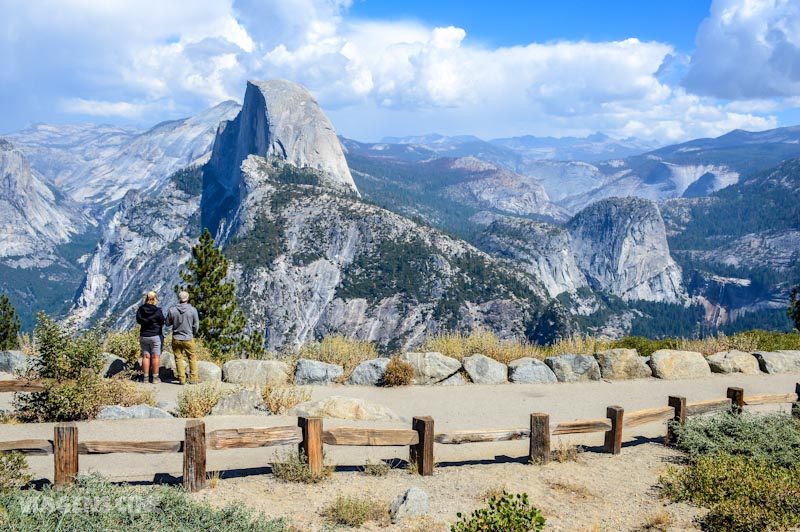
x=208 y=371
x=413 y=503
x=671 y=364
x=167 y=370
x=778 y=361
x=316 y=372
x=733 y=362
x=241 y=403
x=132 y=412
x=369 y=372
x=456 y=379
x=574 y=368
x=255 y=372
x=622 y=364
x=13 y=361
x=484 y=370
x=432 y=367
x=528 y=370
x=338 y=407
x=112 y=365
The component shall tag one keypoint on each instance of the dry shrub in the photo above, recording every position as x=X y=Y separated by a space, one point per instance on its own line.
x=577 y=344
x=398 y=373
x=213 y=479
x=26 y=344
x=283 y=397
x=354 y=511
x=376 y=469
x=124 y=344
x=292 y=466
x=460 y=345
x=566 y=453
x=124 y=393
x=13 y=471
x=495 y=492
x=660 y=520
x=574 y=490
x=197 y=400
x=340 y=350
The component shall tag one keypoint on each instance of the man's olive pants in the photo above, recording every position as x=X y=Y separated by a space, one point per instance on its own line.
x=182 y=349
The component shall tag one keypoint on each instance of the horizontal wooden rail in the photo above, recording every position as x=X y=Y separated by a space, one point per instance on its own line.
x=704 y=407
x=21 y=385
x=133 y=447
x=254 y=437
x=471 y=436
x=582 y=426
x=648 y=415
x=27 y=446
x=776 y=398
x=369 y=437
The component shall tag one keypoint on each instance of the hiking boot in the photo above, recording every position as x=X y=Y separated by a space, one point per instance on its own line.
x=155 y=380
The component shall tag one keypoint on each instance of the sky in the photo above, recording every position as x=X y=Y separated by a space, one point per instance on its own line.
x=661 y=70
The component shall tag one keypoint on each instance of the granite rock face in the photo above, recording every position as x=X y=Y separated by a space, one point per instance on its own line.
x=670 y=364
x=529 y=370
x=431 y=367
x=574 y=368
x=241 y=403
x=255 y=372
x=112 y=365
x=456 y=379
x=208 y=371
x=778 y=361
x=484 y=370
x=733 y=362
x=315 y=372
x=413 y=503
x=622 y=364
x=13 y=361
x=132 y=412
x=369 y=372
x=338 y=407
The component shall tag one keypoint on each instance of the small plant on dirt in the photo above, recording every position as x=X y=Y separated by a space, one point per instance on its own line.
x=212 y=479
x=398 y=373
x=659 y=521
x=197 y=400
x=376 y=469
x=124 y=344
x=8 y=418
x=340 y=350
x=495 y=492
x=355 y=511
x=281 y=398
x=13 y=471
x=293 y=467
x=566 y=453
x=509 y=513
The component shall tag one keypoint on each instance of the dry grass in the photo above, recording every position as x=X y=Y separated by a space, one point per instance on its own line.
x=124 y=344
x=708 y=346
x=566 y=453
x=398 y=373
x=8 y=418
x=376 y=469
x=26 y=344
x=292 y=466
x=340 y=350
x=197 y=400
x=495 y=492
x=573 y=490
x=283 y=397
x=123 y=392
x=354 y=511
x=212 y=479
x=660 y=520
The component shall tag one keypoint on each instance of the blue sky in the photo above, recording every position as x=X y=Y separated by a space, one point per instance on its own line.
x=660 y=70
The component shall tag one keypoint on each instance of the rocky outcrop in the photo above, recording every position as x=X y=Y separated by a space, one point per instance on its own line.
x=413 y=503
x=670 y=364
x=778 y=361
x=13 y=361
x=484 y=370
x=338 y=407
x=430 y=368
x=369 y=372
x=112 y=365
x=620 y=244
x=733 y=362
x=208 y=371
x=240 y=403
x=456 y=379
x=255 y=372
x=315 y=372
x=622 y=364
x=115 y=412
x=574 y=368
x=529 y=370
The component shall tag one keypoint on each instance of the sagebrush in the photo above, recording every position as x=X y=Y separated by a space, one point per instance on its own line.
x=197 y=400
x=509 y=513
x=13 y=471
x=280 y=398
x=354 y=511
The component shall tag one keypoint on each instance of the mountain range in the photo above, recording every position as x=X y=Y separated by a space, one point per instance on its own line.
x=390 y=241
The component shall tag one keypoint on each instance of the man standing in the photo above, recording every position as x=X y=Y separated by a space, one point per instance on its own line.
x=184 y=321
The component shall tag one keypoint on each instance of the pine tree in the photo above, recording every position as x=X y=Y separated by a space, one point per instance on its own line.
x=794 y=307
x=221 y=321
x=9 y=325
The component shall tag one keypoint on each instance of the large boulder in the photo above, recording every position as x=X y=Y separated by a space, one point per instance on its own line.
x=338 y=407
x=208 y=371
x=670 y=364
x=241 y=403
x=733 y=362
x=529 y=370
x=456 y=379
x=13 y=361
x=316 y=372
x=112 y=365
x=431 y=367
x=255 y=372
x=622 y=364
x=778 y=361
x=369 y=372
x=574 y=368
x=484 y=370
x=114 y=412
x=167 y=370
x=413 y=503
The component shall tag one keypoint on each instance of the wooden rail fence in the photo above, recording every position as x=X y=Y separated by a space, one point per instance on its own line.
x=310 y=436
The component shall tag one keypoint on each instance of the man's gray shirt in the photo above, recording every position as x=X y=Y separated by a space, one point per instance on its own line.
x=184 y=321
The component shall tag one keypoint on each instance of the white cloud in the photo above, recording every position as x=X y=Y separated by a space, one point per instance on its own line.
x=748 y=49
x=100 y=108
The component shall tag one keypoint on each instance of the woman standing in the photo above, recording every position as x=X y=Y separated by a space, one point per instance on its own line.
x=151 y=319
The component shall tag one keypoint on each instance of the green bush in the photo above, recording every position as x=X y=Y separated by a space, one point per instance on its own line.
x=124 y=344
x=293 y=467
x=60 y=355
x=644 y=346
x=508 y=513
x=120 y=507
x=741 y=493
x=772 y=438
x=772 y=340
x=13 y=471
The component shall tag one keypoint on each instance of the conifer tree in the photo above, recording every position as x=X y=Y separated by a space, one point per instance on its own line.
x=221 y=321
x=9 y=325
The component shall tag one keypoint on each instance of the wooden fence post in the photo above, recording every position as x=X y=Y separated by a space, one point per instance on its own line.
x=65 y=453
x=194 y=455
x=540 y=439
x=421 y=454
x=736 y=395
x=613 y=443
x=679 y=405
x=311 y=446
